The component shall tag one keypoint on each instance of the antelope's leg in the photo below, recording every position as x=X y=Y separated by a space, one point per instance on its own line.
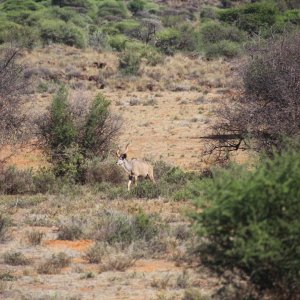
x=129 y=182
x=135 y=180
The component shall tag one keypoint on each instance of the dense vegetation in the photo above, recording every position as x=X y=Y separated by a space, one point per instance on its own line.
x=250 y=220
x=151 y=29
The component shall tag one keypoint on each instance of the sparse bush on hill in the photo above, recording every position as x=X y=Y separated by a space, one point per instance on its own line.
x=250 y=220
x=112 y=10
x=136 y=5
x=252 y=18
x=57 y=31
x=221 y=40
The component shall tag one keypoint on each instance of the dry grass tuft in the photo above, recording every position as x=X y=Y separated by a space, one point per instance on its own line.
x=34 y=237
x=15 y=259
x=54 y=264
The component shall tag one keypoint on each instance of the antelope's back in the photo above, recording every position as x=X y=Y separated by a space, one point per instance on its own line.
x=140 y=167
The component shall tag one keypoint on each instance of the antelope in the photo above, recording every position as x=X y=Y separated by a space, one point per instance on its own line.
x=135 y=167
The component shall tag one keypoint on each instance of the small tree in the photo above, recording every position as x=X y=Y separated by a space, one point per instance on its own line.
x=12 y=86
x=268 y=108
x=71 y=134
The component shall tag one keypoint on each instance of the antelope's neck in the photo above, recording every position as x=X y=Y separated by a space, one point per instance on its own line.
x=127 y=166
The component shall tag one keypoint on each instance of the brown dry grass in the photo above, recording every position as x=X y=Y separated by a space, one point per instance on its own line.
x=166 y=108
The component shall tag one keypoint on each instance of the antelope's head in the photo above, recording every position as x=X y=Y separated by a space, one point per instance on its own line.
x=122 y=156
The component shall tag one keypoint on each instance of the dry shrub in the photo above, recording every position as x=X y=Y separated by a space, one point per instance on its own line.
x=268 y=108
x=95 y=253
x=103 y=171
x=72 y=230
x=54 y=264
x=118 y=262
x=14 y=181
x=15 y=259
x=34 y=237
x=4 y=226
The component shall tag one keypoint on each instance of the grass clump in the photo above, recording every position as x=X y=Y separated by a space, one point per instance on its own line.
x=95 y=254
x=72 y=230
x=35 y=237
x=15 y=259
x=116 y=227
x=54 y=264
x=56 y=31
x=4 y=226
x=14 y=181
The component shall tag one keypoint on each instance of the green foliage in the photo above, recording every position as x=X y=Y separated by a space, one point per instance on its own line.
x=72 y=136
x=58 y=31
x=112 y=10
x=94 y=124
x=250 y=220
x=62 y=130
x=136 y=5
x=292 y=16
x=130 y=59
x=168 y=40
x=118 y=42
x=223 y=48
x=146 y=189
x=213 y=32
x=221 y=40
x=127 y=25
x=129 y=62
x=251 y=17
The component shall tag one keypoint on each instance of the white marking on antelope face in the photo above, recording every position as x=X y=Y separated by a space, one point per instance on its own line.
x=121 y=159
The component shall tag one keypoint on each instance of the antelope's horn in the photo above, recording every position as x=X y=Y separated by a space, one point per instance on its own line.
x=126 y=149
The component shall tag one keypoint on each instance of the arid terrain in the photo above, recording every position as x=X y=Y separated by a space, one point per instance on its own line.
x=165 y=111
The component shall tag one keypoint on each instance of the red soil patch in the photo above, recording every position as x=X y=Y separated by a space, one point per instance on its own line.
x=81 y=245
x=153 y=266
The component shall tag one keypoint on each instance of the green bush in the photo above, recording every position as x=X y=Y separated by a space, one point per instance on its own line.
x=129 y=62
x=136 y=5
x=251 y=17
x=213 y=32
x=127 y=25
x=167 y=40
x=112 y=10
x=57 y=31
x=118 y=42
x=71 y=135
x=250 y=219
x=5 y=28
x=223 y=48
x=146 y=189
x=292 y=16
